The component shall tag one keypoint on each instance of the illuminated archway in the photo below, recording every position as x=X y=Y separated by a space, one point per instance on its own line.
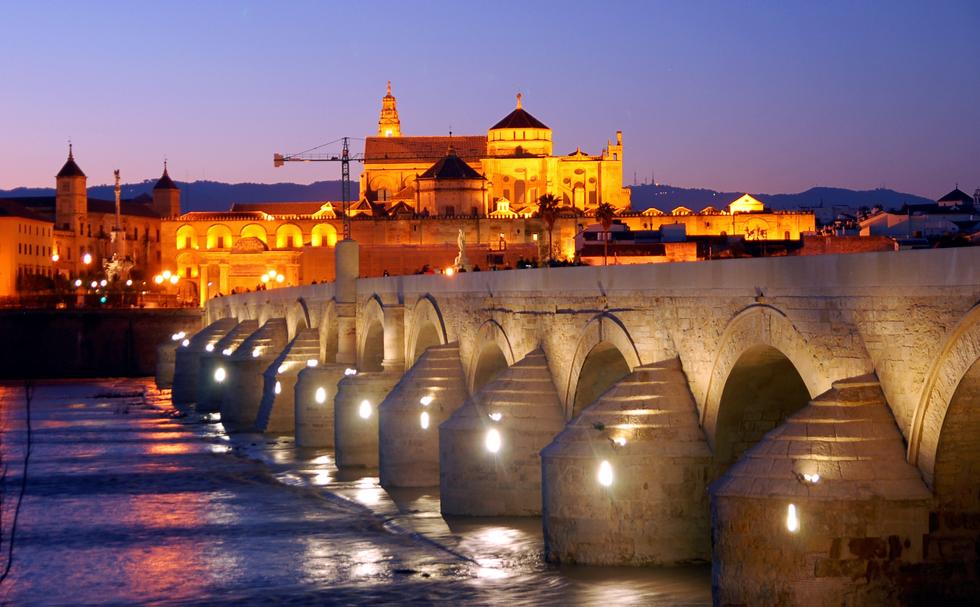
x=289 y=236
x=254 y=230
x=603 y=368
x=956 y=359
x=323 y=234
x=762 y=389
x=186 y=237
x=492 y=355
x=428 y=328
x=371 y=346
x=326 y=322
x=605 y=330
x=219 y=237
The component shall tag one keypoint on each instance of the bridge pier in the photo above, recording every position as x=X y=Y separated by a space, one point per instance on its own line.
x=277 y=411
x=316 y=388
x=489 y=462
x=849 y=535
x=243 y=395
x=624 y=483
x=188 y=357
x=356 y=417
x=209 y=388
x=166 y=359
x=409 y=418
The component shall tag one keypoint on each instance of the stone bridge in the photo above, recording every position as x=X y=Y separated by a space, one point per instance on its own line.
x=810 y=425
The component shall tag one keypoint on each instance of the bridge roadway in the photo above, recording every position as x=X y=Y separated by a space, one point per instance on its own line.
x=809 y=424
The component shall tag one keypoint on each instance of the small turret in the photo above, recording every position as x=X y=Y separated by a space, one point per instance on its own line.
x=166 y=195
x=388 y=124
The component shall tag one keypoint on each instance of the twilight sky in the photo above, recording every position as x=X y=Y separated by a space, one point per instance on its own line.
x=747 y=96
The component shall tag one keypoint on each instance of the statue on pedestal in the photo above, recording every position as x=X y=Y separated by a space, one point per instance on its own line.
x=461 y=262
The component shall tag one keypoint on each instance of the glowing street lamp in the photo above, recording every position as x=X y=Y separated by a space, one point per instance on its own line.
x=605 y=475
x=87 y=258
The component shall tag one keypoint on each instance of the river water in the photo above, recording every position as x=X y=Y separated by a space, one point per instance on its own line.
x=128 y=502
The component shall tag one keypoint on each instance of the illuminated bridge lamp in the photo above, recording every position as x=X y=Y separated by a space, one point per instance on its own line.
x=350 y=371
x=493 y=441
x=219 y=374
x=278 y=388
x=282 y=368
x=185 y=343
x=312 y=363
x=209 y=347
x=792 y=520
x=496 y=416
x=320 y=396
x=226 y=351
x=365 y=411
x=256 y=351
x=424 y=420
x=425 y=401
x=620 y=440
x=605 y=475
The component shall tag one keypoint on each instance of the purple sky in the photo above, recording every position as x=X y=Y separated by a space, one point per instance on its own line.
x=760 y=97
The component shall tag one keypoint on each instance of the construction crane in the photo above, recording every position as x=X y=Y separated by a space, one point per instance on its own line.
x=344 y=159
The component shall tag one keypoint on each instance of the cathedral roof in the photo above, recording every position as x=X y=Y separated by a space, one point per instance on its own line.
x=451 y=166
x=70 y=169
x=423 y=149
x=280 y=208
x=519 y=119
x=165 y=182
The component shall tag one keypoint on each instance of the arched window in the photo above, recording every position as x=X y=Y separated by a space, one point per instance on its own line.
x=254 y=230
x=186 y=237
x=323 y=234
x=289 y=236
x=219 y=237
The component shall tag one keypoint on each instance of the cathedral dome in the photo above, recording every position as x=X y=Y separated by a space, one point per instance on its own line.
x=519 y=134
x=451 y=166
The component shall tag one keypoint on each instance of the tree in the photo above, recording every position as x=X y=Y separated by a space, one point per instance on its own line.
x=548 y=212
x=604 y=214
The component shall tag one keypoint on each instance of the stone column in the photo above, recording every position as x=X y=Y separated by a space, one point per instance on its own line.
x=394 y=338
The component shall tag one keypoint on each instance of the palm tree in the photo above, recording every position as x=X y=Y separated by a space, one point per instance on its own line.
x=548 y=212
x=604 y=214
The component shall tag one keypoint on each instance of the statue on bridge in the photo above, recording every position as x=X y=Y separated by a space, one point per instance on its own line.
x=461 y=262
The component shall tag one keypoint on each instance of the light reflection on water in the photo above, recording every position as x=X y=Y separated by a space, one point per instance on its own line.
x=128 y=505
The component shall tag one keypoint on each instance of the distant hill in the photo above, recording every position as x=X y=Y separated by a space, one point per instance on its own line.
x=825 y=202
x=218 y=196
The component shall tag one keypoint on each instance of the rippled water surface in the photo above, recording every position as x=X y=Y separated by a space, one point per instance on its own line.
x=127 y=503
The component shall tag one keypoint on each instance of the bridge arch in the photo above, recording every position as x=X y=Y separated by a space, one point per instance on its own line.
x=605 y=354
x=763 y=371
x=492 y=355
x=297 y=317
x=371 y=339
x=952 y=379
x=428 y=328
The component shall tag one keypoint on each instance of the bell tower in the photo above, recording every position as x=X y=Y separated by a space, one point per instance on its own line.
x=389 y=125
x=71 y=199
x=166 y=195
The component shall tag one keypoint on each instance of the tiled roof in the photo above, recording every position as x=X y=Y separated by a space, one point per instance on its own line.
x=451 y=166
x=70 y=169
x=279 y=208
x=165 y=182
x=12 y=208
x=127 y=207
x=957 y=195
x=423 y=149
x=519 y=119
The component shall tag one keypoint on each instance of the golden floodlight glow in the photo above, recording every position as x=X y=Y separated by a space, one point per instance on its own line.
x=55 y=257
x=605 y=475
x=265 y=278
x=312 y=362
x=282 y=368
x=811 y=478
x=174 y=279
x=620 y=440
x=424 y=420
x=320 y=396
x=167 y=274
x=425 y=401
x=256 y=351
x=209 y=347
x=87 y=258
x=280 y=278
x=496 y=416
x=450 y=271
x=226 y=351
x=158 y=279
x=364 y=410
x=493 y=441
x=792 y=521
x=349 y=371
x=278 y=388
x=219 y=374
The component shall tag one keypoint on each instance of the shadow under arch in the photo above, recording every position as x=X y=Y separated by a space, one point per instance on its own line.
x=428 y=328
x=492 y=355
x=758 y=331
x=371 y=338
x=297 y=317
x=956 y=359
x=601 y=336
